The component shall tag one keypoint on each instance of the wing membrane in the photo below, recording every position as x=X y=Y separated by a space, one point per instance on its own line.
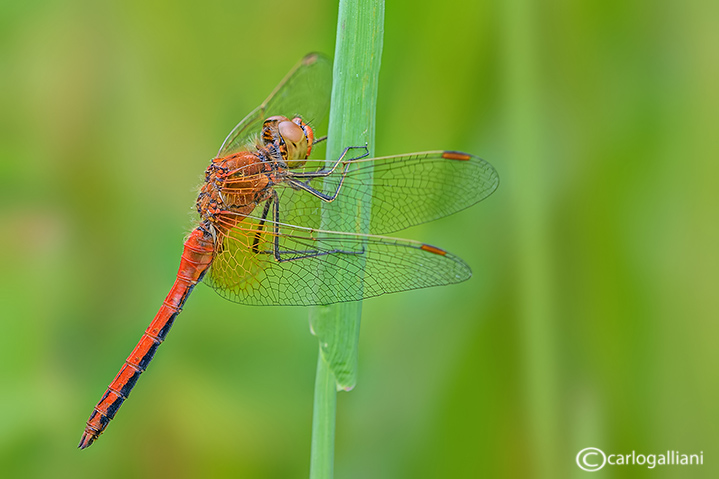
x=322 y=267
x=404 y=190
x=305 y=91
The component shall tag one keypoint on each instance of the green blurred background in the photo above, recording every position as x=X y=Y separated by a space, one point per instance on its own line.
x=591 y=316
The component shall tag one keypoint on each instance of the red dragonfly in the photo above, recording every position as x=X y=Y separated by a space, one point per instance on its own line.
x=262 y=238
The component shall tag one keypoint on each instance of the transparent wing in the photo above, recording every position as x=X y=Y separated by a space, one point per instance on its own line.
x=268 y=264
x=305 y=91
x=404 y=190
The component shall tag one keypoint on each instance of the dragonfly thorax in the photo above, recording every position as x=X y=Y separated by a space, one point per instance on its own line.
x=233 y=186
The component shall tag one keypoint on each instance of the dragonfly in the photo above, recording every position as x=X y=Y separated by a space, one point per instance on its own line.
x=263 y=239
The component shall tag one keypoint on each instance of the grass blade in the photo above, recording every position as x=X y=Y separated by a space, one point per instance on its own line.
x=358 y=50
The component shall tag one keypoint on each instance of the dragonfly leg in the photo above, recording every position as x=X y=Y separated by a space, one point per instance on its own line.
x=305 y=185
x=323 y=196
x=289 y=255
x=261 y=226
x=328 y=171
x=315 y=254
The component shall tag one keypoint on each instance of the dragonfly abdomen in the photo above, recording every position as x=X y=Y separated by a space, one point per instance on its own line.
x=196 y=258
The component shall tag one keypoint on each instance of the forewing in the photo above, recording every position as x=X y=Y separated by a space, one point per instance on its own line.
x=318 y=267
x=305 y=91
x=404 y=190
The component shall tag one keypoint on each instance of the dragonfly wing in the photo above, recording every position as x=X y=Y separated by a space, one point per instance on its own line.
x=305 y=91
x=404 y=190
x=322 y=267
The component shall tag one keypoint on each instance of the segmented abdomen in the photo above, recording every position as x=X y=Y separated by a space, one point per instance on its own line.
x=196 y=258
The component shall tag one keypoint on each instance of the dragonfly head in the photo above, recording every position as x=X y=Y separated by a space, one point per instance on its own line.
x=295 y=138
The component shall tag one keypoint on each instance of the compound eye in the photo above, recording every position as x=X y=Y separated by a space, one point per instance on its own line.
x=291 y=131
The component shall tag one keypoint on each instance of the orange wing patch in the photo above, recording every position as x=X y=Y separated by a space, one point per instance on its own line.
x=456 y=155
x=433 y=249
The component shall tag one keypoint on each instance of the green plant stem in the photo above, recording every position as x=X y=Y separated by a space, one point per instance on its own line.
x=358 y=49
x=323 y=421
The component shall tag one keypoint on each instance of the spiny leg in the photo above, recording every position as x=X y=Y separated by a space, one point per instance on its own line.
x=305 y=185
x=328 y=171
x=277 y=252
x=265 y=212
